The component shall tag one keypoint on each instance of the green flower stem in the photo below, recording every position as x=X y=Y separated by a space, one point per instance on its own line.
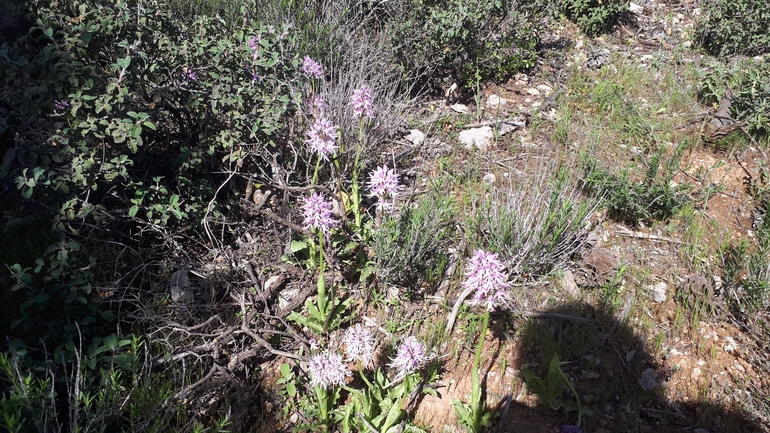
x=355 y=191
x=574 y=393
x=317 y=167
x=322 y=397
x=477 y=406
x=321 y=281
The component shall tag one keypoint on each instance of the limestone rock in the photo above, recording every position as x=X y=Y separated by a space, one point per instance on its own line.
x=415 y=137
x=476 y=137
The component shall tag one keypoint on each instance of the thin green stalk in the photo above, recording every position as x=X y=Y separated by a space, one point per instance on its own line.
x=315 y=173
x=476 y=404
x=321 y=281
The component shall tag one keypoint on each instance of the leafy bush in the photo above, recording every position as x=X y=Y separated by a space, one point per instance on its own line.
x=747 y=80
x=472 y=40
x=734 y=27
x=653 y=197
x=410 y=247
x=747 y=271
x=535 y=225
x=594 y=16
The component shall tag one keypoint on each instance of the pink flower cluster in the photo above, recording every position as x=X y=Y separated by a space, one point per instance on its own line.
x=359 y=344
x=317 y=213
x=362 y=102
x=484 y=275
x=327 y=369
x=312 y=68
x=322 y=138
x=410 y=356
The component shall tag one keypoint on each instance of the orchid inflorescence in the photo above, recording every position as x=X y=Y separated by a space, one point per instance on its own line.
x=317 y=213
x=312 y=68
x=362 y=102
x=327 y=369
x=360 y=344
x=322 y=138
x=484 y=275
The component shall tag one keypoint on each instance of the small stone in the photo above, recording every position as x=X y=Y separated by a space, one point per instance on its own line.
x=731 y=346
x=547 y=90
x=630 y=356
x=695 y=373
x=591 y=375
x=489 y=179
x=536 y=104
x=509 y=125
x=533 y=92
x=180 y=289
x=700 y=430
x=658 y=291
x=495 y=101
x=527 y=100
x=588 y=399
x=645 y=58
x=569 y=285
x=635 y=8
x=285 y=298
x=649 y=380
x=415 y=137
x=460 y=108
x=476 y=137
x=594 y=360
x=271 y=283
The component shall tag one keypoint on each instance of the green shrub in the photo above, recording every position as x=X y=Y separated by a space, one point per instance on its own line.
x=652 y=198
x=471 y=40
x=748 y=81
x=594 y=16
x=734 y=27
x=535 y=224
x=409 y=247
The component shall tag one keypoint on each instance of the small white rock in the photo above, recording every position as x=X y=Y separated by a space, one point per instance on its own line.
x=476 y=137
x=533 y=92
x=271 y=282
x=731 y=346
x=285 y=297
x=635 y=8
x=460 y=108
x=658 y=291
x=489 y=179
x=547 y=90
x=495 y=101
x=569 y=285
x=649 y=380
x=415 y=137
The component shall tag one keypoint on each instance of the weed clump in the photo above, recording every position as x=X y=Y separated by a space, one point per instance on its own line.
x=654 y=198
x=734 y=27
x=593 y=16
x=747 y=81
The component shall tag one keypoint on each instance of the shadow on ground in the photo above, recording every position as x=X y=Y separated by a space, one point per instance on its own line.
x=613 y=374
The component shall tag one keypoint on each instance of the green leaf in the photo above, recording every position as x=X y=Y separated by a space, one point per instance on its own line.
x=110 y=341
x=42 y=297
x=297 y=246
x=133 y=210
x=48 y=32
x=123 y=63
x=108 y=316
